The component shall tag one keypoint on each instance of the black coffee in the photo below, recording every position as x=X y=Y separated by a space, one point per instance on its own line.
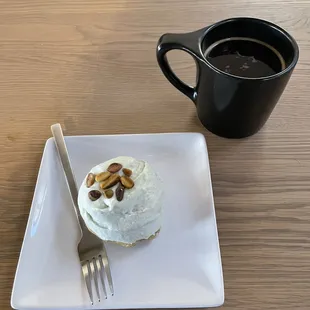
x=245 y=57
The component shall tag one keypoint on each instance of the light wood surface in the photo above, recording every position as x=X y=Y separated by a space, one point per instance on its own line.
x=91 y=66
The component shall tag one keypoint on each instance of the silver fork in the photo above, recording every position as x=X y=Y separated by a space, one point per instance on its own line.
x=92 y=253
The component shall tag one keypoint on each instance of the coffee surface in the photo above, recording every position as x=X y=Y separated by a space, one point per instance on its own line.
x=245 y=58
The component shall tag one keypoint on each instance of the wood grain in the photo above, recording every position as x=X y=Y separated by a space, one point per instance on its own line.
x=91 y=66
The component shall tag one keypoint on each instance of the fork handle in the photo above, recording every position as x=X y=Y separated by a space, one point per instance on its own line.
x=65 y=161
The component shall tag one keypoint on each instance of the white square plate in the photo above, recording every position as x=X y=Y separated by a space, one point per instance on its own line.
x=180 y=268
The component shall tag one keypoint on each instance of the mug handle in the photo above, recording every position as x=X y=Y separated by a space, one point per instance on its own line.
x=188 y=42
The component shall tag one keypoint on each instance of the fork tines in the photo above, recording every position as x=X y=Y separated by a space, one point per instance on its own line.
x=93 y=269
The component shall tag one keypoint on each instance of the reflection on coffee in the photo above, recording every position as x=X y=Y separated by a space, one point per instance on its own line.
x=245 y=57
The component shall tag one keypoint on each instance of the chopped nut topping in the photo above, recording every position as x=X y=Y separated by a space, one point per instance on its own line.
x=108 y=193
x=115 y=167
x=127 y=172
x=111 y=181
x=94 y=195
x=119 y=192
x=102 y=176
x=127 y=182
x=90 y=180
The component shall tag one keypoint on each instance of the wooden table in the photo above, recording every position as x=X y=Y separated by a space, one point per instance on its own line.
x=91 y=66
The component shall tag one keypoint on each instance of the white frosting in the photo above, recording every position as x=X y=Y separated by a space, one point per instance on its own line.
x=137 y=216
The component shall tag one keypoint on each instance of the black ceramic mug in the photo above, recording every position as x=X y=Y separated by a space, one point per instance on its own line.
x=227 y=104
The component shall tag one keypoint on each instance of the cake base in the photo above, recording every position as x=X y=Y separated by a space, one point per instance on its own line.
x=129 y=245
